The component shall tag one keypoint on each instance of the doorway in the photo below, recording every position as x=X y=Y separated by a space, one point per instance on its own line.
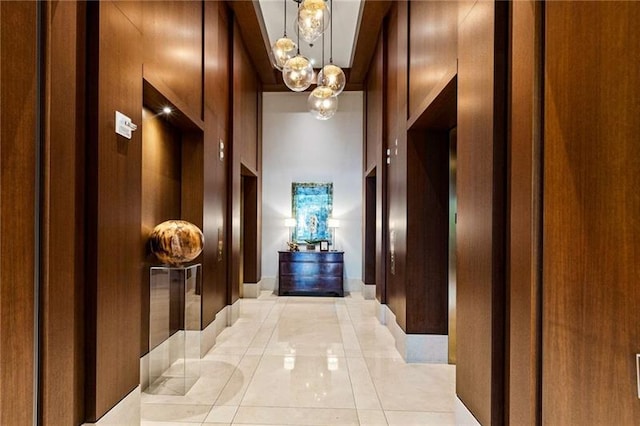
x=249 y=218
x=453 y=220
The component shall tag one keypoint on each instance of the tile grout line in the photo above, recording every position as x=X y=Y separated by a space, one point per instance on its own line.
x=261 y=357
x=375 y=388
x=236 y=368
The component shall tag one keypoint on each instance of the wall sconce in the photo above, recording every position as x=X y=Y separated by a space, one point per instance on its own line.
x=333 y=224
x=290 y=223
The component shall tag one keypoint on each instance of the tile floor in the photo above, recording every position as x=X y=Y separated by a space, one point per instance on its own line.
x=308 y=361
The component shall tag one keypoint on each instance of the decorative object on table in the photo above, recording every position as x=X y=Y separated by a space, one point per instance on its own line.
x=311 y=205
x=292 y=246
x=332 y=224
x=311 y=244
x=175 y=242
x=324 y=245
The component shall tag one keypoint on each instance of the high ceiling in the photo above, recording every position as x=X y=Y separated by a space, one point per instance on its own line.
x=345 y=16
x=356 y=24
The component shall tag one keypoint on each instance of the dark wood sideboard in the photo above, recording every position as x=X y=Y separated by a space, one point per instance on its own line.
x=310 y=273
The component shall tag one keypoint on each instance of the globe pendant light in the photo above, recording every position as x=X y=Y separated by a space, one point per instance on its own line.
x=313 y=19
x=322 y=103
x=332 y=75
x=297 y=72
x=284 y=48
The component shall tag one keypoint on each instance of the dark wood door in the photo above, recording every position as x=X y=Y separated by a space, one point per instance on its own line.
x=591 y=225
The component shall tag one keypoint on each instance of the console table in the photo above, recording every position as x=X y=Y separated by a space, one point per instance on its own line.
x=310 y=273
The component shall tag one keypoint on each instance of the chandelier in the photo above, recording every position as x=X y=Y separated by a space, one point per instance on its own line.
x=313 y=18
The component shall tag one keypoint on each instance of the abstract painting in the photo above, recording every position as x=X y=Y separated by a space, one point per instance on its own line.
x=311 y=206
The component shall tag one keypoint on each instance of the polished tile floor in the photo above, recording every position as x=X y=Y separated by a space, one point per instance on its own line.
x=308 y=361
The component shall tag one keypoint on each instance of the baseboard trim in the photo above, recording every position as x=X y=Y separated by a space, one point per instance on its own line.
x=251 y=290
x=427 y=348
x=368 y=291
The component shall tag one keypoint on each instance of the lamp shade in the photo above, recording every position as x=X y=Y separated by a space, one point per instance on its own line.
x=333 y=77
x=281 y=51
x=313 y=19
x=290 y=222
x=297 y=73
x=333 y=223
x=322 y=103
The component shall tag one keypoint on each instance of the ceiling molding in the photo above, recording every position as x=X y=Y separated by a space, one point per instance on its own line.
x=252 y=28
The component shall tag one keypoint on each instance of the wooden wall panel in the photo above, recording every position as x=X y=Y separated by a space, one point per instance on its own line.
x=113 y=215
x=161 y=196
x=244 y=148
x=481 y=211
x=396 y=142
x=369 y=228
x=591 y=330
x=427 y=228
x=173 y=49
x=215 y=202
x=18 y=89
x=62 y=304
x=524 y=217
x=433 y=48
x=375 y=108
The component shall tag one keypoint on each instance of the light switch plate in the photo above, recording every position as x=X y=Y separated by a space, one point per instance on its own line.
x=124 y=126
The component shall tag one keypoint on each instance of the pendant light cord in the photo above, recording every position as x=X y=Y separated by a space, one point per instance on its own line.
x=284 y=21
x=298 y=29
x=331 y=37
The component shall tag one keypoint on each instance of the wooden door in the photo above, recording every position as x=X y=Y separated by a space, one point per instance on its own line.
x=591 y=223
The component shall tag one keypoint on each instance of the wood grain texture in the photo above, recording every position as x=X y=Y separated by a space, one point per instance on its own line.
x=62 y=304
x=397 y=184
x=427 y=232
x=369 y=245
x=244 y=148
x=113 y=211
x=524 y=218
x=18 y=83
x=480 y=238
x=250 y=259
x=315 y=273
x=373 y=13
x=591 y=230
x=376 y=134
x=433 y=46
x=173 y=48
x=161 y=196
x=216 y=175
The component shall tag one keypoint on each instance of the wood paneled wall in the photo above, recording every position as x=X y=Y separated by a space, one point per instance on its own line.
x=216 y=176
x=397 y=57
x=113 y=211
x=525 y=167
x=591 y=228
x=244 y=150
x=481 y=185
x=433 y=39
x=62 y=295
x=375 y=156
x=18 y=91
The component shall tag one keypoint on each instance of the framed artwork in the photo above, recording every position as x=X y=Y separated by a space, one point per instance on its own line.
x=311 y=206
x=324 y=245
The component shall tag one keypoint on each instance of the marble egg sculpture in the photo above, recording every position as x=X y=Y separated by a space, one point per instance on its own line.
x=175 y=242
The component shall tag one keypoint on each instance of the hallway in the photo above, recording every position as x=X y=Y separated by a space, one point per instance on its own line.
x=308 y=361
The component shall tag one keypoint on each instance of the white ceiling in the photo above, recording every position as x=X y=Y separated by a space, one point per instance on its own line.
x=345 y=13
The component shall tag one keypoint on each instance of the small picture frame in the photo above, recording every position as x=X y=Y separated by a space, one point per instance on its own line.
x=324 y=245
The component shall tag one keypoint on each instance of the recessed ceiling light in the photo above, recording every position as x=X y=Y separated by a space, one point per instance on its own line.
x=167 y=110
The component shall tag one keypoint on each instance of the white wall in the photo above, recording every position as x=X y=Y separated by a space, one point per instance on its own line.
x=298 y=148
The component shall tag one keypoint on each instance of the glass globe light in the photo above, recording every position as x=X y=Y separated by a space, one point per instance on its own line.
x=333 y=77
x=322 y=103
x=281 y=51
x=313 y=19
x=297 y=73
